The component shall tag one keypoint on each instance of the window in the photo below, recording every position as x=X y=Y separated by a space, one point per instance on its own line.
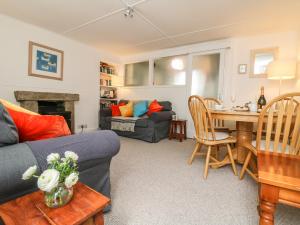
x=170 y=70
x=205 y=75
x=137 y=74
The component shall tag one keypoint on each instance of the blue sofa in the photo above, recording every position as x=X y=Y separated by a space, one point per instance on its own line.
x=151 y=129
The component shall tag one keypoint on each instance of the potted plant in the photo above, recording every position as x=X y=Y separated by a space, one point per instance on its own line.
x=58 y=179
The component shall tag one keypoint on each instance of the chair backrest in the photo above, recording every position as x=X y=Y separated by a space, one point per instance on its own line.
x=279 y=122
x=210 y=103
x=202 y=118
x=285 y=102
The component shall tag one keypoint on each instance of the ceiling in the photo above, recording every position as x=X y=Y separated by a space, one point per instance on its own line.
x=157 y=24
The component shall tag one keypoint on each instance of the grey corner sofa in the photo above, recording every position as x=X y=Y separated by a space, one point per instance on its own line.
x=151 y=129
x=95 y=151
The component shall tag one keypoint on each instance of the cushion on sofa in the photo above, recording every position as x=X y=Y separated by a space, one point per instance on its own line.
x=38 y=127
x=140 y=108
x=154 y=107
x=9 y=105
x=115 y=109
x=127 y=110
x=167 y=106
x=161 y=116
x=8 y=130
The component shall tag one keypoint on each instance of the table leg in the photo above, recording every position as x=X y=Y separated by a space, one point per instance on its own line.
x=99 y=219
x=181 y=132
x=174 y=132
x=185 y=130
x=268 y=197
x=170 y=131
x=244 y=135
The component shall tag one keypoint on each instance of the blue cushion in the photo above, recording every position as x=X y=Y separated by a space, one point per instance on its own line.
x=140 y=108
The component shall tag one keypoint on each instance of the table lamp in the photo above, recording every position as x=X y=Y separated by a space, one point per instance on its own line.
x=281 y=70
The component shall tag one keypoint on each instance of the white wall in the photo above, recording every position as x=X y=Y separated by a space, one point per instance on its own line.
x=236 y=51
x=81 y=67
x=247 y=88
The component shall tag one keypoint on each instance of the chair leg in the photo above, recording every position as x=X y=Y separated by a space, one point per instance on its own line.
x=207 y=162
x=196 y=150
x=245 y=166
x=231 y=159
x=217 y=152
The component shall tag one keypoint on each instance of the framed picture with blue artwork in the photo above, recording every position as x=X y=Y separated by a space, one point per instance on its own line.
x=45 y=62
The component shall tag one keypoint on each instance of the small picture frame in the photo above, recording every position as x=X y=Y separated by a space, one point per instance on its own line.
x=242 y=68
x=45 y=62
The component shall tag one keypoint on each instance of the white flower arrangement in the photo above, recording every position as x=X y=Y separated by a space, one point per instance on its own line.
x=71 y=180
x=60 y=171
x=29 y=172
x=52 y=157
x=71 y=155
x=48 y=180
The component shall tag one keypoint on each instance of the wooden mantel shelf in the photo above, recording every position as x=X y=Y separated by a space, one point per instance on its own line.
x=46 y=96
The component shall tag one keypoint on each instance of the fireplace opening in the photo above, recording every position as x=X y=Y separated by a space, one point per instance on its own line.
x=55 y=108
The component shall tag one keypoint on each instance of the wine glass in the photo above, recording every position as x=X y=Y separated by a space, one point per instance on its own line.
x=220 y=97
x=232 y=98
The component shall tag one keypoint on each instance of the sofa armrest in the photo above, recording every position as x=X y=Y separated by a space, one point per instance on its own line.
x=88 y=146
x=14 y=160
x=157 y=117
x=105 y=112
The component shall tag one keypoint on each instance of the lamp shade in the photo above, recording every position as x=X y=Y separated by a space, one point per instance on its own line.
x=281 y=70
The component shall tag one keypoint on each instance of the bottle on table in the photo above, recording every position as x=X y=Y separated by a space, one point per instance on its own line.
x=262 y=100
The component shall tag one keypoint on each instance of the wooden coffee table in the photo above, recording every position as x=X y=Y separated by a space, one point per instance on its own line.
x=85 y=208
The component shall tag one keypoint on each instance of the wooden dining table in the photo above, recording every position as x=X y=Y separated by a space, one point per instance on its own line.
x=279 y=182
x=244 y=125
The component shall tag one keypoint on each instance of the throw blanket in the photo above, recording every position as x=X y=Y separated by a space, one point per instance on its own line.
x=123 y=123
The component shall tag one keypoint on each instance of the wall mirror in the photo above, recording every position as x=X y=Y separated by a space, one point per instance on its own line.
x=260 y=59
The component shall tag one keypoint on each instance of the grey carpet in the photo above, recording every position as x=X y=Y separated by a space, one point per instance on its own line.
x=152 y=184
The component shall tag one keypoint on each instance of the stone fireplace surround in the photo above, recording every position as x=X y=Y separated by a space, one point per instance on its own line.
x=29 y=100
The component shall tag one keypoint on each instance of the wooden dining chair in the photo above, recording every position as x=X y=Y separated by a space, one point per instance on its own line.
x=219 y=125
x=206 y=135
x=278 y=130
x=285 y=102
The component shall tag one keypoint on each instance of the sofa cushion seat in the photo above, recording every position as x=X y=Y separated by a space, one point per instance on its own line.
x=143 y=122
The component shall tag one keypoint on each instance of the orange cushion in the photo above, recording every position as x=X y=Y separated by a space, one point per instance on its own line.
x=115 y=111
x=127 y=110
x=154 y=107
x=38 y=127
x=9 y=105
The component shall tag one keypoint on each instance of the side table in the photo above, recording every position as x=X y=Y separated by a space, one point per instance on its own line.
x=173 y=132
x=85 y=208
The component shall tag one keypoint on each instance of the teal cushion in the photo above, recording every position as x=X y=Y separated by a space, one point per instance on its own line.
x=140 y=108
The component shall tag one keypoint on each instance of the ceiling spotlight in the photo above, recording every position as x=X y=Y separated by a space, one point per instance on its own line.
x=128 y=12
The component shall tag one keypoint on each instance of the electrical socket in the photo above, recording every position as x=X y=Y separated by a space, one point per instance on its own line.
x=82 y=126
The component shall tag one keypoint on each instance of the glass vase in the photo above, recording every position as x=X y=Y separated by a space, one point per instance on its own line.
x=59 y=196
